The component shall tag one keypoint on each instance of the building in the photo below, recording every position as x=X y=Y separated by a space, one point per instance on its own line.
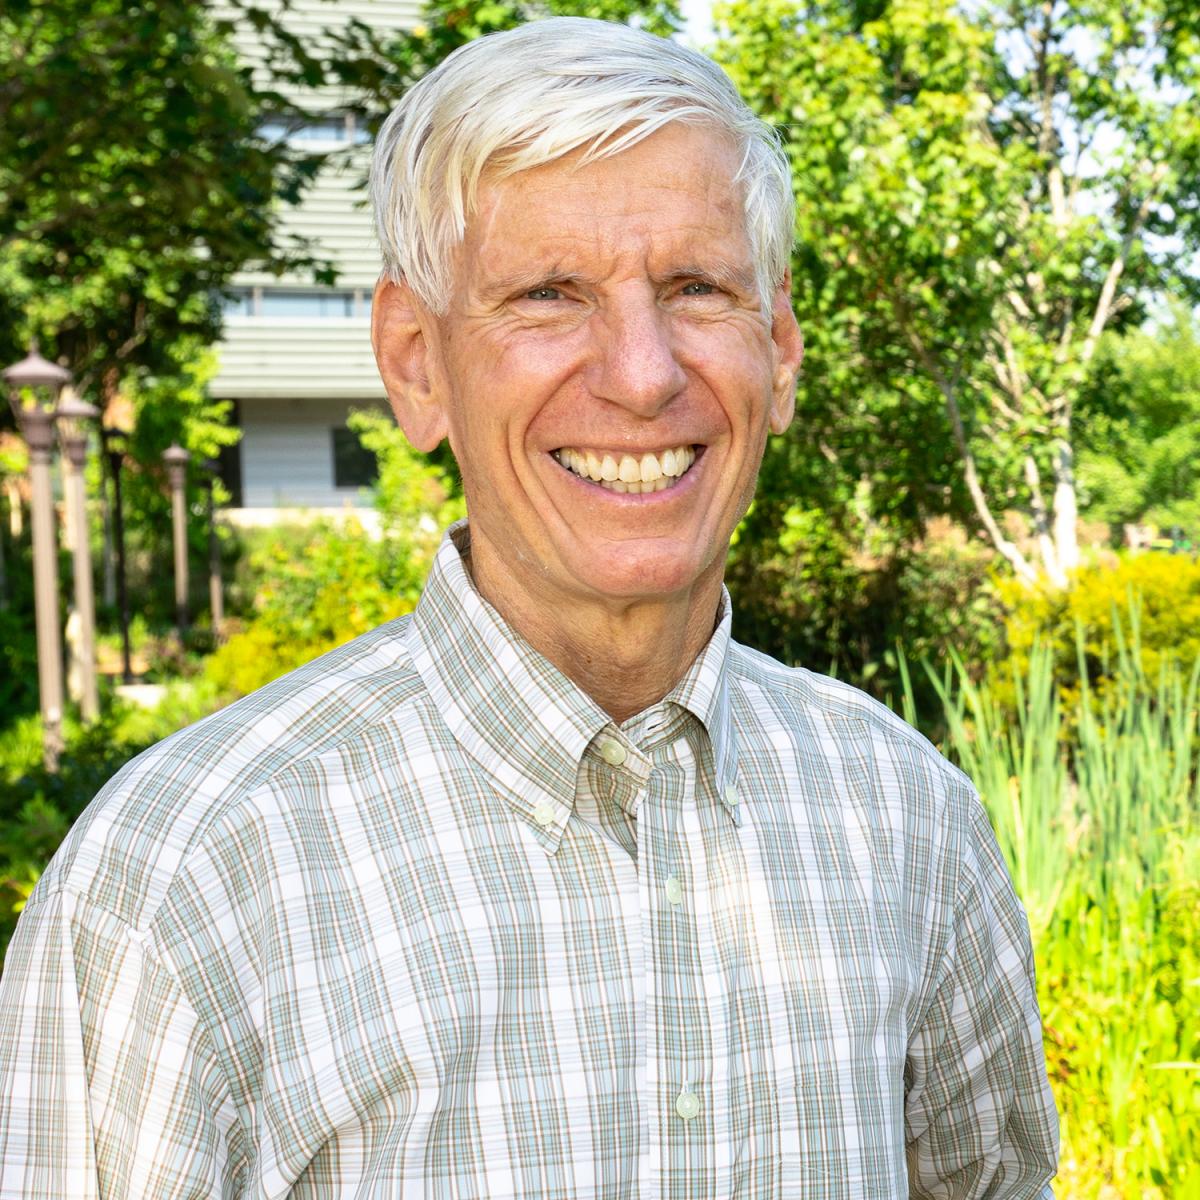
x=296 y=357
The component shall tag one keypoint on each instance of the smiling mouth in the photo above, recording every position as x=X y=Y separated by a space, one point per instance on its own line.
x=626 y=473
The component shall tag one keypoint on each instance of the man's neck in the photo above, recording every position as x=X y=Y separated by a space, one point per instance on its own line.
x=625 y=655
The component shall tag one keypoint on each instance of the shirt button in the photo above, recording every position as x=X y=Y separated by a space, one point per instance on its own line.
x=687 y=1103
x=674 y=890
x=612 y=752
x=731 y=796
x=544 y=814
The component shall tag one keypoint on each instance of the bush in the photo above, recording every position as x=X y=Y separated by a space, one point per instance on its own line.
x=1098 y=816
x=314 y=588
x=307 y=589
x=819 y=598
x=1147 y=601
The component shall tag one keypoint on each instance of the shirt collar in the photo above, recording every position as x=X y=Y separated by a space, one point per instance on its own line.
x=523 y=722
x=704 y=692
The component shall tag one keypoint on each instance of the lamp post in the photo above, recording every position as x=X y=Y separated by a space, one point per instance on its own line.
x=176 y=459
x=216 y=598
x=113 y=440
x=73 y=416
x=34 y=379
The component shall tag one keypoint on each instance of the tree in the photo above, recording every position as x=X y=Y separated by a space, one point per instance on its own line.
x=380 y=66
x=132 y=183
x=1140 y=438
x=982 y=193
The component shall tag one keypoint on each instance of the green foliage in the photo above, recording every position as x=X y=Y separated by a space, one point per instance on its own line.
x=956 y=257
x=415 y=497
x=170 y=407
x=132 y=185
x=1140 y=460
x=1144 y=606
x=1097 y=809
x=824 y=599
x=18 y=637
x=316 y=587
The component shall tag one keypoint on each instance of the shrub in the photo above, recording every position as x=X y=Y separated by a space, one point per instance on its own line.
x=307 y=589
x=1146 y=601
x=315 y=588
x=820 y=598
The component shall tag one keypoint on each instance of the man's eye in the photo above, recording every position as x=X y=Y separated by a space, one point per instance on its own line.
x=698 y=288
x=543 y=293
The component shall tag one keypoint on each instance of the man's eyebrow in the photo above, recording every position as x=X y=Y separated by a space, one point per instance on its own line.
x=717 y=271
x=521 y=280
x=514 y=283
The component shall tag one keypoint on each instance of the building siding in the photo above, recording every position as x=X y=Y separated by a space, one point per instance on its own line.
x=267 y=357
x=287 y=453
x=295 y=378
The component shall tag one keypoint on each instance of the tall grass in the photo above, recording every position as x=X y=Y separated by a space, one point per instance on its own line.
x=1094 y=793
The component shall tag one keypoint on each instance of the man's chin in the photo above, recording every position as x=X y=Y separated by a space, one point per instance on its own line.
x=637 y=574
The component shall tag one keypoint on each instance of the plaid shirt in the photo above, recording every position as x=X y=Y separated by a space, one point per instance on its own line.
x=419 y=920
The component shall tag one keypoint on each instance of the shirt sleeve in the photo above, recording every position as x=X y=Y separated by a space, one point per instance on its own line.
x=980 y=1122
x=109 y=1085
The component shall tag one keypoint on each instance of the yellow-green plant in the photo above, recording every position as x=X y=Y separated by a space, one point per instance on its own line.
x=314 y=589
x=1096 y=805
x=1150 y=598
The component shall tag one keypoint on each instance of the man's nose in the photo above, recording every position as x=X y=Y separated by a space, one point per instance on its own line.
x=637 y=366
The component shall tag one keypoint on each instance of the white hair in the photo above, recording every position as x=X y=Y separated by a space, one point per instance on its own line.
x=531 y=95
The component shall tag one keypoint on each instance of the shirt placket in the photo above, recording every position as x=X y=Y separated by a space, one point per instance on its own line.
x=657 y=785
x=676 y=1041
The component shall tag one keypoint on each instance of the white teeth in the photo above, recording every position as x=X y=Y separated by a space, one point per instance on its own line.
x=629 y=475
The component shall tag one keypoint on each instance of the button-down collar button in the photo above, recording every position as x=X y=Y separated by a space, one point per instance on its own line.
x=674 y=890
x=687 y=1103
x=544 y=814
x=731 y=796
x=612 y=752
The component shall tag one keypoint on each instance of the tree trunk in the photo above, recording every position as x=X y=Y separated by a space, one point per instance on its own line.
x=1066 y=507
x=1047 y=546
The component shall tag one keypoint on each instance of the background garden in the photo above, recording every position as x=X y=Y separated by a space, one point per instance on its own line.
x=996 y=273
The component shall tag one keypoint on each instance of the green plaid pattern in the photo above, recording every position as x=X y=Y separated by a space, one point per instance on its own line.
x=419 y=920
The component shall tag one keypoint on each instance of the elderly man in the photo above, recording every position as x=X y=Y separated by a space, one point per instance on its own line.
x=551 y=890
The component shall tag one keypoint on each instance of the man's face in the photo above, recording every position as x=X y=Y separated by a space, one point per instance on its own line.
x=605 y=321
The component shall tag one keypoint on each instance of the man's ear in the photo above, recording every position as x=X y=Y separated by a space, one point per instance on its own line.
x=400 y=337
x=787 y=354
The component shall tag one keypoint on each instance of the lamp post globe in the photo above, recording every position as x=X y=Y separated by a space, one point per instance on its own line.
x=33 y=387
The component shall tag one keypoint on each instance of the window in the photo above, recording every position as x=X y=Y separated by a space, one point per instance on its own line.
x=300 y=302
x=239 y=303
x=335 y=128
x=353 y=464
x=279 y=303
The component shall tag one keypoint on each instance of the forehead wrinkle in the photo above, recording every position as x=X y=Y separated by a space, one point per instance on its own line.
x=573 y=242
